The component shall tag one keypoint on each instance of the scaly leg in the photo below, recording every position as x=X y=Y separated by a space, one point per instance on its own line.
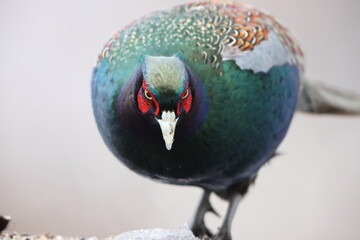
x=225 y=230
x=198 y=225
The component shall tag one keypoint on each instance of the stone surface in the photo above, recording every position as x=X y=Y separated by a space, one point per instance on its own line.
x=183 y=233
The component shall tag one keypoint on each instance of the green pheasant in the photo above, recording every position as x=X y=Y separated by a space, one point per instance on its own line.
x=202 y=94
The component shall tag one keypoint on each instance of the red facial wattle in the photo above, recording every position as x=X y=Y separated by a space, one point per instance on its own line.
x=147 y=103
x=185 y=101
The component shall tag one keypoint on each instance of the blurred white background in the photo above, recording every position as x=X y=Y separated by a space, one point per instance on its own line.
x=57 y=176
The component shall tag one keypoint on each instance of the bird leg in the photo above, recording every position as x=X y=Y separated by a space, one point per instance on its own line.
x=198 y=225
x=225 y=230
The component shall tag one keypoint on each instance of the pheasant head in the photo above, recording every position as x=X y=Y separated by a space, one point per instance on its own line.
x=165 y=92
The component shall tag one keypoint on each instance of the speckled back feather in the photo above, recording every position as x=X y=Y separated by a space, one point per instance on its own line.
x=206 y=29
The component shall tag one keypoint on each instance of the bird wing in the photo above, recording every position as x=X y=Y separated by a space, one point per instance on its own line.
x=316 y=97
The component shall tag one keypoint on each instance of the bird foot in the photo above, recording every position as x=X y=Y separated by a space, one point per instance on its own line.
x=222 y=235
x=201 y=231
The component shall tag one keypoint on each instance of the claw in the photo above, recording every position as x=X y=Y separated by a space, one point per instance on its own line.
x=202 y=231
x=198 y=226
x=212 y=210
x=225 y=230
x=222 y=235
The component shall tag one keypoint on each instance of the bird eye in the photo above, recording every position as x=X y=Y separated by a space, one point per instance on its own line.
x=185 y=94
x=147 y=94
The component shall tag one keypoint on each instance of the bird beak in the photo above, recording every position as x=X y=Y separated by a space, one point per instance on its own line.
x=167 y=124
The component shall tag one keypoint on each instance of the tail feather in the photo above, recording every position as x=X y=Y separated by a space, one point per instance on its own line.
x=315 y=97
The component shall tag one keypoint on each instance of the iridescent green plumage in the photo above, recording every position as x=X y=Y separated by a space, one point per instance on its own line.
x=165 y=74
x=220 y=77
x=239 y=113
